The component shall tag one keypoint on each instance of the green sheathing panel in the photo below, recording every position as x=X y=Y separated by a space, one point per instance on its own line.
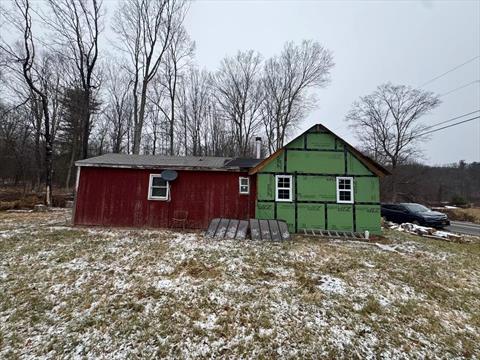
x=265 y=187
x=316 y=188
x=316 y=194
x=368 y=218
x=265 y=210
x=340 y=217
x=366 y=189
x=286 y=212
x=318 y=162
x=320 y=141
x=311 y=216
x=276 y=165
x=355 y=167
x=297 y=143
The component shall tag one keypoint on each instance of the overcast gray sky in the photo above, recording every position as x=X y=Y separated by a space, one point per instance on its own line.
x=373 y=42
x=405 y=42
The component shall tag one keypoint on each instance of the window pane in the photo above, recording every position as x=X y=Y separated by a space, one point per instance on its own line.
x=243 y=181
x=244 y=189
x=283 y=194
x=283 y=182
x=159 y=191
x=345 y=195
x=158 y=181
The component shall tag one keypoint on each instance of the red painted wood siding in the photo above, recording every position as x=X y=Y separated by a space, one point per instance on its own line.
x=118 y=197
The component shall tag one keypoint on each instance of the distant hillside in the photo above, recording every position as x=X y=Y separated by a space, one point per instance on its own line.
x=456 y=183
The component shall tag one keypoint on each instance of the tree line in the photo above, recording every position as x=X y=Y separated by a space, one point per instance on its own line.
x=65 y=98
x=456 y=184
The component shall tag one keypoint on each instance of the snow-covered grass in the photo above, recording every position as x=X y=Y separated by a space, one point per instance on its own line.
x=110 y=293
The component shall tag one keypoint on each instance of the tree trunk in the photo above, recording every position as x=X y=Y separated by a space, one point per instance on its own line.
x=38 y=161
x=48 y=168
x=71 y=165
x=86 y=125
x=137 y=133
x=172 y=115
x=394 y=183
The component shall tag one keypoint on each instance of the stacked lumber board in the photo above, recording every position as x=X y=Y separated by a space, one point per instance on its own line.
x=221 y=228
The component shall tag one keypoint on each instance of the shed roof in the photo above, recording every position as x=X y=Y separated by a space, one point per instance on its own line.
x=173 y=162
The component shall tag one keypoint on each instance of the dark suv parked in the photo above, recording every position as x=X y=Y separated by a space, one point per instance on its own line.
x=414 y=213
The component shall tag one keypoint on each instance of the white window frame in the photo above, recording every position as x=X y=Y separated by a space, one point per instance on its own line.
x=351 y=190
x=240 y=185
x=290 y=188
x=150 y=188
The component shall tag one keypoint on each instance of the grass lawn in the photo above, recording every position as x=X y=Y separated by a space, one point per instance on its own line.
x=78 y=292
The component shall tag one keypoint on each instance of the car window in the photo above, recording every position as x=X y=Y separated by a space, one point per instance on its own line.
x=394 y=207
x=416 y=208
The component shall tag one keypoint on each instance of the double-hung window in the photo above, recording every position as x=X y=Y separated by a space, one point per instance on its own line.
x=244 y=185
x=283 y=191
x=345 y=190
x=158 y=189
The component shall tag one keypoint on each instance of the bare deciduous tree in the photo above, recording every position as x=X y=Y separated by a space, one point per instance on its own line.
x=77 y=25
x=194 y=102
x=38 y=73
x=146 y=28
x=387 y=123
x=119 y=108
x=287 y=79
x=238 y=92
x=177 y=58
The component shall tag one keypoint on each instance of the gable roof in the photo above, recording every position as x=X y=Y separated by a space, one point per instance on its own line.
x=371 y=164
x=172 y=162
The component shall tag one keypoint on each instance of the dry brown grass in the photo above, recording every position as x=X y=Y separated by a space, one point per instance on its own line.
x=101 y=293
x=470 y=214
x=15 y=197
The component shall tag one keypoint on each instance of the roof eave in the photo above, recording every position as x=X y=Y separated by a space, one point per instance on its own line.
x=159 y=167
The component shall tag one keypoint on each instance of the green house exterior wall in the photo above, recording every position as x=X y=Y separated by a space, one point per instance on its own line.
x=315 y=160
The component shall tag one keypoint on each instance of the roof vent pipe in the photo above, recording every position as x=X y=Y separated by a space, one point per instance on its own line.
x=258 y=147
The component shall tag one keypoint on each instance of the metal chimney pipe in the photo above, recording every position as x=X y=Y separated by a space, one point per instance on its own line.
x=258 y=147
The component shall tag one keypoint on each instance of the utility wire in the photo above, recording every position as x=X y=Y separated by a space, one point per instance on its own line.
x=452 y=119
x=460 y=87
x=449 y=71
x=445 y=127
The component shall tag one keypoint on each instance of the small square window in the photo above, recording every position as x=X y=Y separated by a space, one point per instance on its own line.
x=345 y=190
x=244 y=185
x=159 y=189
x=283 y=188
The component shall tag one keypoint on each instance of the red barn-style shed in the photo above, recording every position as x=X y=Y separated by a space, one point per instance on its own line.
x=131 y=190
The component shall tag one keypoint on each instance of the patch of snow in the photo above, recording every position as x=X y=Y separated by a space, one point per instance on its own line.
x=331 y=284
x=164 y=284
x=76 y=264
x=382 y=300
x=208 y=324
x=387 y=247
x=122 y=284
x=265 y=332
